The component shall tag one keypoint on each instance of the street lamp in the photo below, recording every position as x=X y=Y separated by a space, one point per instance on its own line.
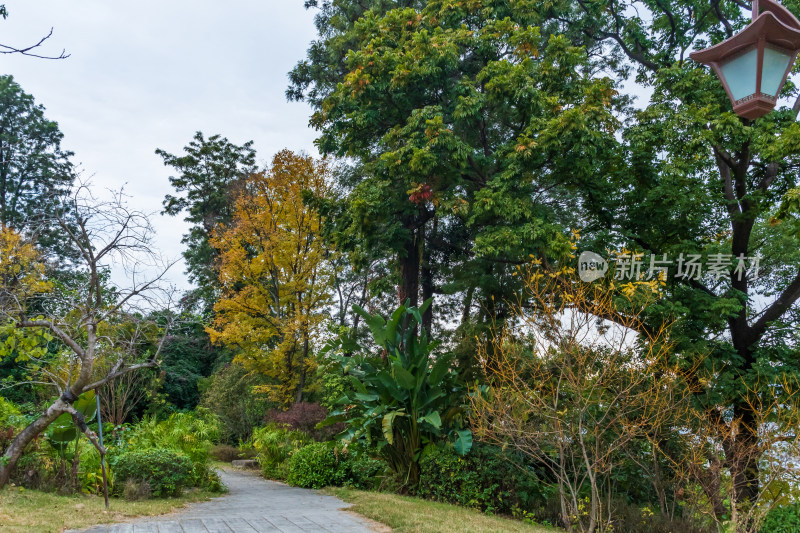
x=754 y=63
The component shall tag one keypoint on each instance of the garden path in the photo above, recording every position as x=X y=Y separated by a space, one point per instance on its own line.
x=254 y=505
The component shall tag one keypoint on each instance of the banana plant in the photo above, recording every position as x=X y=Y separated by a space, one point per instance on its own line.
x=405 y=400
x=63 y=430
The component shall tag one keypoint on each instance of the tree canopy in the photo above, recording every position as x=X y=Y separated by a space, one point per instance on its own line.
x=36 y=175
x=274 y=280
x=209 y=173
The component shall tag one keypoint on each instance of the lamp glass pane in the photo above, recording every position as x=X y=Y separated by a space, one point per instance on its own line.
x=740 y=74
x=775 y=64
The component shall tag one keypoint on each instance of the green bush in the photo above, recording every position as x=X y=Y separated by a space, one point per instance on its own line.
x=782 y=520
x=487 y=478
x=10 y=415
x=191 y=434
x=166 y=471
x=326 y=463
x=274 y=445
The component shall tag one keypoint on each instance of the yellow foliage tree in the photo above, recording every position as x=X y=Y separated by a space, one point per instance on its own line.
x=22 y=272
x=273 y=274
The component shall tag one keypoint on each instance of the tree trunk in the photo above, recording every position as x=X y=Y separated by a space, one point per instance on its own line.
x=18 y=445
x=76 y=462
x=465 y=313
x=409 y=260
x=742 y=452
x=302 y=382
x=427 y=292
x=744 y=463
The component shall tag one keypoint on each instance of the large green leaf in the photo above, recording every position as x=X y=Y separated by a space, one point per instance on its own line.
x=389 y=384
x=404 y=378
x=387 y=425
x=425 y=305
x=431 y=397
x=367 y=397
x=438 y=371
x=463 y=443
x=376 y=323
x=357 y=385
x=433 y=419
x=62 y=430
x=393 y=323
x=86 y=405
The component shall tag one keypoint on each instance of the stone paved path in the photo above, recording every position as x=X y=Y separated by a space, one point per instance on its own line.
x=252 y=505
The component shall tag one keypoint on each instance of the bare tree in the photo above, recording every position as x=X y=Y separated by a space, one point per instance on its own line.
x=120 y=396
x=573 y=391
x=90 y=318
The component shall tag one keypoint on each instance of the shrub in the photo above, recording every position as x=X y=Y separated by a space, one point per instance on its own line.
x=274 y=445
x=304 y=416
x=487 y=478
x=633 y=518
x=166 y=471
x=11 y=421
x=782 y=520
x=225 y=453
x=191 y=434
x=325 y=463
x=10 y=415
x=90 y=474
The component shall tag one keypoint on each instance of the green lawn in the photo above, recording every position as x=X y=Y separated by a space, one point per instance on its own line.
x=413 y=515
x=31 y=511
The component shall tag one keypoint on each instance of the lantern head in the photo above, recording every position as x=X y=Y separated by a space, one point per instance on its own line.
x=753 y=64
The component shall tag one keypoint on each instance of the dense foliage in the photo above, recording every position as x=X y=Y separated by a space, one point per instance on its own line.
x=306 y=417
x=405 y=400
x=472 y=150
x=273 y=280
x=487 y=478
x=191 y=435
x=36 y=174
x=274 y=446
x=229 y=394
x=325 y=463
x=166 y=471
x=209 y=172
x=782 y=520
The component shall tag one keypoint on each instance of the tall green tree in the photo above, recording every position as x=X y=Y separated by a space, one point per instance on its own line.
x=458 y=114
x=35 y=172
x=483 y=128
x=690 y=177
x=209 y=171
x=188 y=357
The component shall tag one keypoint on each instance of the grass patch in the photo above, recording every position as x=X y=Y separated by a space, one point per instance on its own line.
x=413 y=515
x=31 y=511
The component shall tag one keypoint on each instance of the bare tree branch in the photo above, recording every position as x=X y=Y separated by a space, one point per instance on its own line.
x=27 y=51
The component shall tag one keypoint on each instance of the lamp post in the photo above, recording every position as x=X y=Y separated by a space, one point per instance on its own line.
x=754 y=63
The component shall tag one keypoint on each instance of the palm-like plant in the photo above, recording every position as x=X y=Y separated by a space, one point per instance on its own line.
x=407 y=399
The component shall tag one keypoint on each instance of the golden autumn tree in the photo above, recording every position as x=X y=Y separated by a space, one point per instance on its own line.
x=273 y=274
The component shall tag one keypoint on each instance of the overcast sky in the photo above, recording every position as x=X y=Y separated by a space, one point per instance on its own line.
x=148 y=74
